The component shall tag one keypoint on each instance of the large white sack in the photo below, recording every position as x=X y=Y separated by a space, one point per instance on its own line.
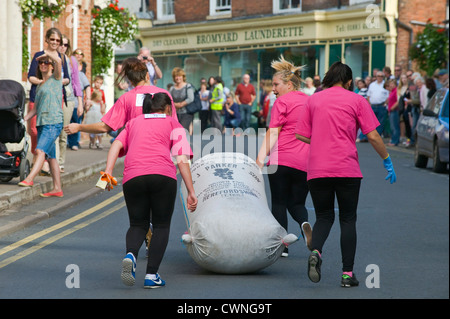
x=232 y=230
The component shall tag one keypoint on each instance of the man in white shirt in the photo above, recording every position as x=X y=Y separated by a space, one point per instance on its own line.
x=153 y=69
x=423 y=92
x=377 y=96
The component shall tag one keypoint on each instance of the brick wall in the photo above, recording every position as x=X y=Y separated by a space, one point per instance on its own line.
x=193 y=10
x=198 y=10
x=244 y=8
x=420 y=11
x=64 y=24
x=84 y=40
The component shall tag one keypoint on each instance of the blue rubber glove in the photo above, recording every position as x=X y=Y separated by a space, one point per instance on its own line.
x=390 y=168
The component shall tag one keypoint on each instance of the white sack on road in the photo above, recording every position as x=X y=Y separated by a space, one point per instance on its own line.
x=233 y=230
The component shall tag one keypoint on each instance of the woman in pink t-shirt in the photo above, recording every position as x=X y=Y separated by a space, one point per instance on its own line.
x=394 y=117
x=129 y=105
x=288 y=156
x=330 y=122
x=149 y=181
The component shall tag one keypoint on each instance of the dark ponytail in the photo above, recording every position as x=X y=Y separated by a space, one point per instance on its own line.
x=134 y=70
x=338 y=73
x=155 y=103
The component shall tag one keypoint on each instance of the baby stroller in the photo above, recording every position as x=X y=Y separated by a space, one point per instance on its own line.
x=13 y=140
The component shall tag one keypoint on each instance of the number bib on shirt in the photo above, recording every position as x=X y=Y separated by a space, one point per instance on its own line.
x=155 y=116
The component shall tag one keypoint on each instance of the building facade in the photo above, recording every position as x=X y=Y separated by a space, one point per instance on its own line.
x=10 y=41
x=233 y=37
x=412 y=16
x=74 y=23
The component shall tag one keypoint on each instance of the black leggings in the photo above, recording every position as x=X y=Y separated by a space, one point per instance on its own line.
x=149 y=198
x=289 y=190
x=323 y=191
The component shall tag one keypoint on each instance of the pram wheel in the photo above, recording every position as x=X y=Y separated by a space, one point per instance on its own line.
x=24 y=169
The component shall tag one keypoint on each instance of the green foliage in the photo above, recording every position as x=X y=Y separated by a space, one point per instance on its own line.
x=36 y=9
x=111 y=26
x=40 y=9
x=430 y=50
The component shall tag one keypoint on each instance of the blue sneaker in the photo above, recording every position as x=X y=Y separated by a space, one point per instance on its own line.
x=154 y=283
x=129 y=270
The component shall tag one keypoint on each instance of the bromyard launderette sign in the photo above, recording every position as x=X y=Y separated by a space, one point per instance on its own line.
x=300 y=30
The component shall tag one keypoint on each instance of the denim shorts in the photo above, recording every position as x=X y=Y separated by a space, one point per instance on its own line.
x=47 y=135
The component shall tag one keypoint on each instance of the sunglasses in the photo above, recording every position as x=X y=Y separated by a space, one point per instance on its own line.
x=45 y=62
x=65 y=45
x=80 y=53
x=54 y=40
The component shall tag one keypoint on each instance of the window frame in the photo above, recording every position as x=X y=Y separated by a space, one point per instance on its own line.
x=276 y=7
x=356 y=2
x=213 y=9
x=159 y=11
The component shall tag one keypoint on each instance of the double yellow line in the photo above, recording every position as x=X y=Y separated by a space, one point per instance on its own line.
x=65 y=223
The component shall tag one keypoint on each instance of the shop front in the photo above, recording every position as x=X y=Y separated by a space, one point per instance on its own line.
x=234 y=47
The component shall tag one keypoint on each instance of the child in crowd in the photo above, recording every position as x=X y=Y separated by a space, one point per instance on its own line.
x=94 y=113
x=97 y=85
x=394 y=118
x=150 y=183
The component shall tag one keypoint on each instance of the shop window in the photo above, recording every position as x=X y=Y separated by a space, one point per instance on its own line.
x=165 y=10
x=219 y=7
x=280 y=6
x=357 y=58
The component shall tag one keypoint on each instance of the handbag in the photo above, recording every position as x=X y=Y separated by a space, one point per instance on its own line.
x=196 y=105
x=401 y=103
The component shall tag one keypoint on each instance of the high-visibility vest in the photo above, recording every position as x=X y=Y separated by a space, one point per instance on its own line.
x=217 y=95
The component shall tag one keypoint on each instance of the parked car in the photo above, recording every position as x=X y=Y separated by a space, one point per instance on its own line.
x=432 y=133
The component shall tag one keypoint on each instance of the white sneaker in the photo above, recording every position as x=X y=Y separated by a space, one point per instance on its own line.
x=129 y=270
x=307 y=234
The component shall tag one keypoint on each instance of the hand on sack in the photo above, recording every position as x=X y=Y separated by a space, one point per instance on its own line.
x=192 y=202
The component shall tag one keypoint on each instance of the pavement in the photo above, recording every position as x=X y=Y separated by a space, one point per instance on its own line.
x=81 y=167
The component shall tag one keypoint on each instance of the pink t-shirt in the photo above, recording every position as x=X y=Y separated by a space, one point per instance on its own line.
x=129 y=105
x=288 y=151
x=392 y=99
x=149 y=142
x=331 y=119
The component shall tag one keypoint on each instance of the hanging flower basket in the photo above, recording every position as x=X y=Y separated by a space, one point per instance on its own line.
x=430 y=50
x=41 y=9
x=37 y=9
x=111 y=26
